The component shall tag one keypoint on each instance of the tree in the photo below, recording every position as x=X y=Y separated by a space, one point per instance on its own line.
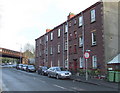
x=29 y=50
x=29 y=54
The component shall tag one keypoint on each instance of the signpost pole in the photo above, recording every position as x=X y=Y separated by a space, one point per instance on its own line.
x=86 y=70
x=86 y=55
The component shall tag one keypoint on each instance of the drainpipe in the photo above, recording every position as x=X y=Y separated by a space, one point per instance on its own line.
x=67 y=47
x=63 y=47
x=83 y=35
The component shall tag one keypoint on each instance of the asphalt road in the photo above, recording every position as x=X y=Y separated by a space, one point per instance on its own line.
x=17 y=80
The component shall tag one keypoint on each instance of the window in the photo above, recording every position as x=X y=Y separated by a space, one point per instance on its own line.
x=46 y=37
x=75 y=34
x=80 y=41
x=75 y=21
x=58 y=48
x=93 y=38
x=51 y=36
x=66 y=45
x=70 y=36
x=70 y=24
x=70 y=50
x=46 y=51
x=66 y=63
x=51 y=50
x=75 y=48
x=93 y=15
x=58 y=32
x=81 y=62
x=40 y=53
x=66 y=28
x=80 y=20
x=94 y=61
x=40 y=41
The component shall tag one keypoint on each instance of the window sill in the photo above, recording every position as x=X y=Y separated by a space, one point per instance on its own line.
x=93 y=45
x=80 y=26
x=93 y=22
x=80 y=46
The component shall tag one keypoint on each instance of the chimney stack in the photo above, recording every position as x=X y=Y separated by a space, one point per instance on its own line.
x=71 y=15
x=48 y=30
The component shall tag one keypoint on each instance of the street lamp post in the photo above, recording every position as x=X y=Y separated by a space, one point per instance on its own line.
x=20 y=51
x=20 y=55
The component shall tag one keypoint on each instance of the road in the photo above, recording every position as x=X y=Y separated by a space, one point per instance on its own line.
x=17 y=80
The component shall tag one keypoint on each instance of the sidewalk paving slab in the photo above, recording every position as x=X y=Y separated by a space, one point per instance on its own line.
x=96 y=81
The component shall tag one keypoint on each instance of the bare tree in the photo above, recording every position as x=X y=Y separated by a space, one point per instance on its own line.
x=29 y=50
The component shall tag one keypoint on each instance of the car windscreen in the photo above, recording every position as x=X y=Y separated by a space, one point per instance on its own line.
x=30 y=66
x=44 y=68
x=58 y=69
x=63 y=69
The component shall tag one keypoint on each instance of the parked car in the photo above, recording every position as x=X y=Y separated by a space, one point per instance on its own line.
x=42 y=70
x=30 y=68
x=58 y=72
x=24 y=67
x=19 y=66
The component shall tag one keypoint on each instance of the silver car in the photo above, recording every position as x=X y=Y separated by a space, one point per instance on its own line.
x=58 y=72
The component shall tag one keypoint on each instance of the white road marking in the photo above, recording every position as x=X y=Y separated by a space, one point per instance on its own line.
x=78 y=89
x=42 y=81
x=59 y=86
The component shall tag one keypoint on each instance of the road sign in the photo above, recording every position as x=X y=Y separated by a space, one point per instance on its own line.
x=87 y=55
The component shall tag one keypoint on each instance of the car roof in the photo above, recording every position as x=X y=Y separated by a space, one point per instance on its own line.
x=55 y=67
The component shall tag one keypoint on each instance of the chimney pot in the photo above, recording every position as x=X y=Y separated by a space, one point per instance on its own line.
x=71 y=15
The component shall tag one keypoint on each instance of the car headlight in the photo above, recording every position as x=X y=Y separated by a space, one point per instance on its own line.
x=62 y=74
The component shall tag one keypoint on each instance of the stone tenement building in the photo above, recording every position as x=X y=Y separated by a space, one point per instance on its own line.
x=95 y=29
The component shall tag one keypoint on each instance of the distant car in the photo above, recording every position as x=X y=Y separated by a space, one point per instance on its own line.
x=58 y=72
x=30 y=68
x=12 y=65
x=42 y=70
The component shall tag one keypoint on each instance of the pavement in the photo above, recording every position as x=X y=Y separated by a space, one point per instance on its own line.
x=94 y=81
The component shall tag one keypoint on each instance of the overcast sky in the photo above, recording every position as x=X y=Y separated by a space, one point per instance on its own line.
x=22 y=21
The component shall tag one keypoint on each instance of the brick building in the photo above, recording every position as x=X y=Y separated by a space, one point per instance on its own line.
x=65 y=44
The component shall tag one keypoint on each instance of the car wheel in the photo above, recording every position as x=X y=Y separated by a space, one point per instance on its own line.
x=49 y=75
x=42 y=73
x=57 y=76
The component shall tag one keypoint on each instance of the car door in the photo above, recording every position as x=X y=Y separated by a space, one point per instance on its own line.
x=54 y=72
x=50 y=71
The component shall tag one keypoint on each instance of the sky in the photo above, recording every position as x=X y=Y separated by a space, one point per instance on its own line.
x=23 y=21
